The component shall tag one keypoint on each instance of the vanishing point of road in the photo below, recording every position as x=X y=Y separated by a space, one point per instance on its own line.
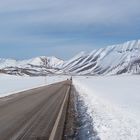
x=36 y=114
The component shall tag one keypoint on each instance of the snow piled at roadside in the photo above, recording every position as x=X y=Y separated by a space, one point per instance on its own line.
x=114 y=104
x=12 y=84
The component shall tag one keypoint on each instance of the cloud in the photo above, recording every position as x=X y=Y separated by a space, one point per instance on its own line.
x=68 y=22
x=70 y=12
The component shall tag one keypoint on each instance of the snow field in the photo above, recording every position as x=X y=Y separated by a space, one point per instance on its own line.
x=113 y=101
x=13 y=84
x=114 y=104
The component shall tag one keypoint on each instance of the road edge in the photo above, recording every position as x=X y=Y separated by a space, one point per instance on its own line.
x=59 y=117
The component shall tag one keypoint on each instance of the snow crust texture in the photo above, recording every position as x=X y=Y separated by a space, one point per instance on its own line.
x=114 y=104
x=10 y=84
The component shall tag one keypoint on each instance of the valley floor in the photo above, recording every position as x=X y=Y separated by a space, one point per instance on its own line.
x=13 y=84
x=113 y=101
x=114 y=104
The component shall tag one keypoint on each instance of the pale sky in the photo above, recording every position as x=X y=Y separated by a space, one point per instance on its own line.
x=62 y=28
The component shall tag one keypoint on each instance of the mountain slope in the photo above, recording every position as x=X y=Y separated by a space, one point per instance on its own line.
x=35 y=67
x=112 y=60
x=116 y=59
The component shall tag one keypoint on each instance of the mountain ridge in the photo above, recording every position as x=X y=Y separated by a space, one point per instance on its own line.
x=111 y=60
x=115 y=59
x=38 y=66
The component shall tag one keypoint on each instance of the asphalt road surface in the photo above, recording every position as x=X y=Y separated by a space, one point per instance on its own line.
x=31 y=115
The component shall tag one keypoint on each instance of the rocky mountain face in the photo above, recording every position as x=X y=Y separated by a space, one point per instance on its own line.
x=112 y=60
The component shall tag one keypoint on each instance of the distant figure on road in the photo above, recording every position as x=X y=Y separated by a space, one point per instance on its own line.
x=71 y=78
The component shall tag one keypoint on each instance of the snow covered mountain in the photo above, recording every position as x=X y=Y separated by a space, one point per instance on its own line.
x=112 y=60
x=35 y=67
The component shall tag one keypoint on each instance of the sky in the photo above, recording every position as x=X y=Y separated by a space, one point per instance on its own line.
x=63 y=28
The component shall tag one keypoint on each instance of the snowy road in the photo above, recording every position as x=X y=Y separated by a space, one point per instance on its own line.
x=32 y=114
x=113 y=101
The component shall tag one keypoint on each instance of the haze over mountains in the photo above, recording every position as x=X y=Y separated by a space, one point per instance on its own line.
x=112 y=60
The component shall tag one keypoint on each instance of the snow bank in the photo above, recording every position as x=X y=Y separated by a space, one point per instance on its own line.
x=114 y=104
x=13 y=84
